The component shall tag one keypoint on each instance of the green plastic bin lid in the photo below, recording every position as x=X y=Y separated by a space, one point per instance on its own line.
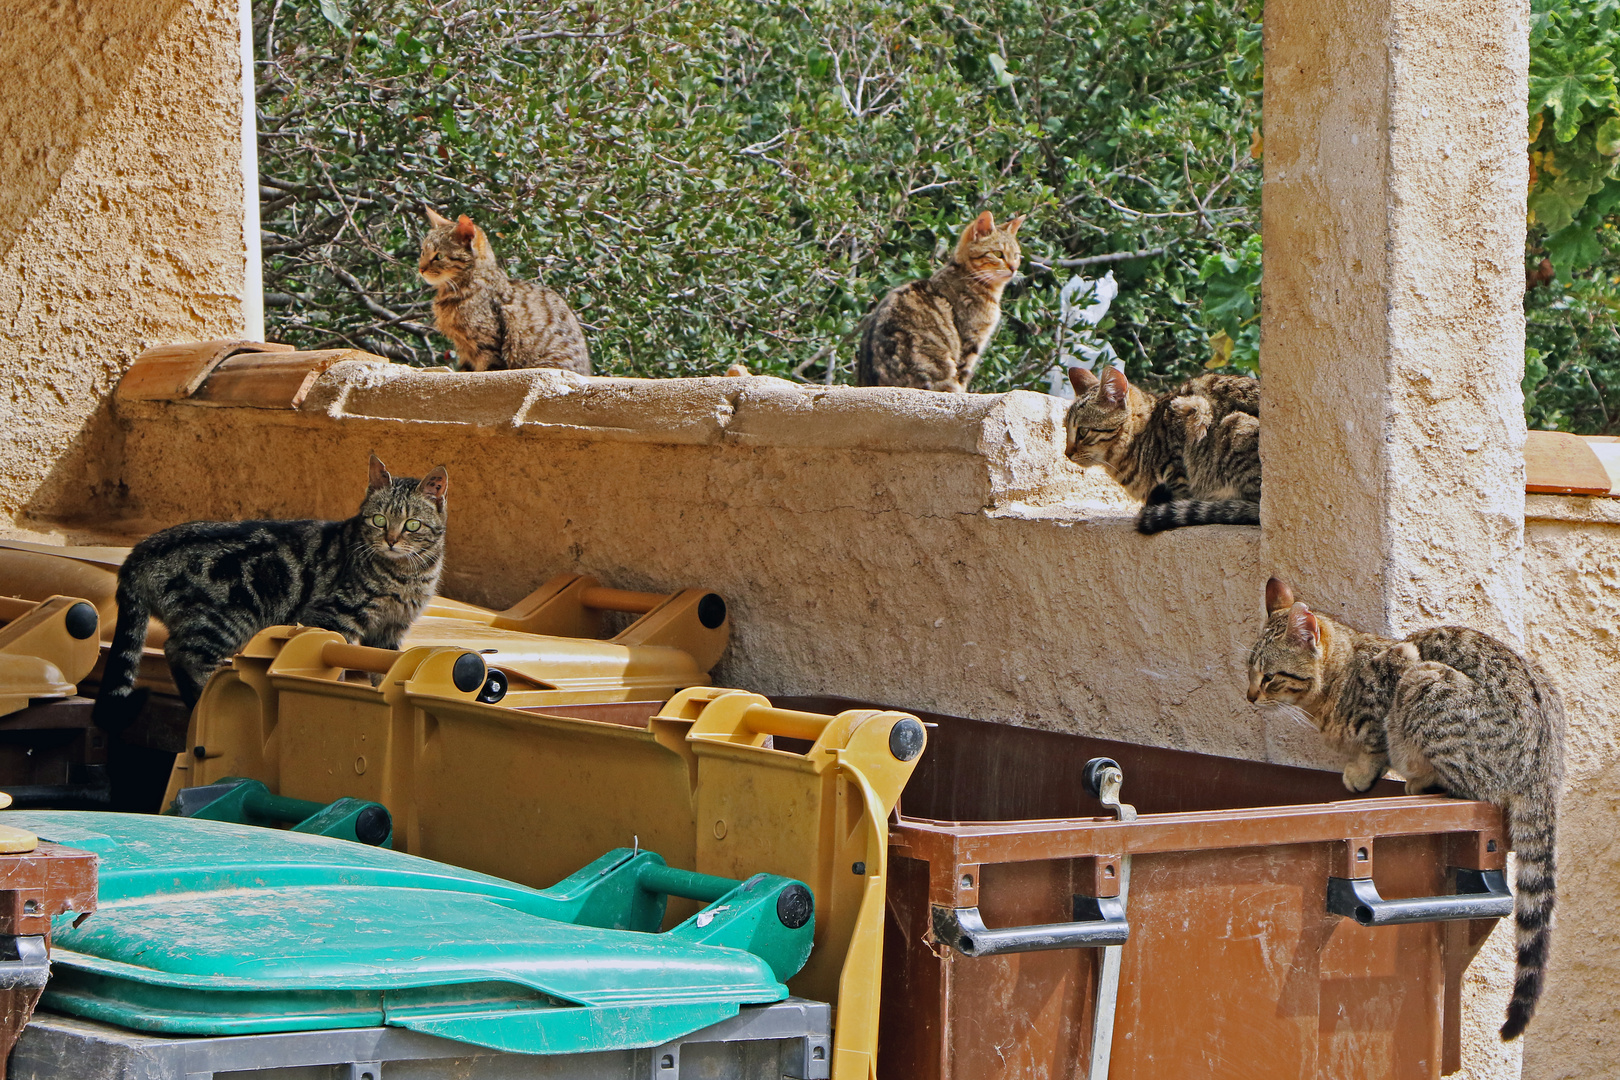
x=211 y=928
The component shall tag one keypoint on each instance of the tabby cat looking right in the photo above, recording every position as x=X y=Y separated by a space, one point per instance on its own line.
x=214 y=584
x=931 y=334
x=494 y=322
x=1451 y=709
x=1192 y=454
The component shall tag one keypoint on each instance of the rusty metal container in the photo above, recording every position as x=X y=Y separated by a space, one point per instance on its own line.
x=1008 y=881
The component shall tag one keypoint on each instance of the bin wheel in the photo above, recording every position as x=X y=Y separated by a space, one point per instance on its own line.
x=1091 y=776
x=494 y=687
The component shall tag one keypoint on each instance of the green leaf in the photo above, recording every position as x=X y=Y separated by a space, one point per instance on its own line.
x=1567 y=78
x=1608 y=137
x=999 y=66
x=1575 y=247
x=334 y=14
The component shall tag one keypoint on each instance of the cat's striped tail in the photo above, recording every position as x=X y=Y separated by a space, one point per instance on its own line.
x=117 y=702
x=1534 y=832
x=1157 y=517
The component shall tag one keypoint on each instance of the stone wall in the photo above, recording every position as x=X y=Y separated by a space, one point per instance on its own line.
x=927 y=550
x=121 y=194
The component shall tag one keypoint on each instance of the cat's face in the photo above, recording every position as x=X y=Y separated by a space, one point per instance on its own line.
x=1095 y=426
x=449 y=249
x=403 y=518
x=1285 y=665
x=990 y=252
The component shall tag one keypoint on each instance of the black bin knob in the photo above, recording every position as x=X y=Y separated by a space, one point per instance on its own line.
x=794 y=906
x=373 y=825
x=468 y=672
x=495 y=684
x=81 y=621
x=1092 y=775
x=906 y=739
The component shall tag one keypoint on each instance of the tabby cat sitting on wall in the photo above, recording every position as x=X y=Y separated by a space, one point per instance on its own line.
x=494 y=322
x=931 y=334
x=1193 y=454
x=214 y=584
x=1453 y=710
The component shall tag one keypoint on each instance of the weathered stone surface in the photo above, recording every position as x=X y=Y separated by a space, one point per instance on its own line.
x=122 y=201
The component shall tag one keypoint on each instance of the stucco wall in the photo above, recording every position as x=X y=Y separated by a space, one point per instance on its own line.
x=927 y=550
x=122 y=201
x=1392 y=340
x=1572 y=568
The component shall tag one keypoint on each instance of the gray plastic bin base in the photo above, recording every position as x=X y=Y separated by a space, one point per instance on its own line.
x=792 y=1038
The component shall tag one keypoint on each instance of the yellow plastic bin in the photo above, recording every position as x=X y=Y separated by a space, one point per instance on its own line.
x=522 y=791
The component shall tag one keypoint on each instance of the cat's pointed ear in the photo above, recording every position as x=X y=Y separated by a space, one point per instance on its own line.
x=1303 y=629
x=434 y=217
x=465 y=229
x=379 y=474
x=982 y=226
x=1011 y=228
x=1082 y=380
x=1115 y=390
x=1278 y=595
x=435 y=485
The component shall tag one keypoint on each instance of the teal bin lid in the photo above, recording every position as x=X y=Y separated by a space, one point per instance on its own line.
x=207 y=927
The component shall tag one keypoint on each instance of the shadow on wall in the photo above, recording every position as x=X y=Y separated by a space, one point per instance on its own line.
x=66 y=64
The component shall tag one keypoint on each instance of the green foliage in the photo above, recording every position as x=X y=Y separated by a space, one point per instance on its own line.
x=1231 y=306
x=1574 y=123
x=736 y=181
x=1572 y=303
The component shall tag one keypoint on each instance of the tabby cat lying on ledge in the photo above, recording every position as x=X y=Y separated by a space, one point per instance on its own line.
x=1193 y=454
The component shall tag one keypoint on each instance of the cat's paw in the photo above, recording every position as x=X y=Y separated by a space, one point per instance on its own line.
x=1426 y=785
x=1360 y=776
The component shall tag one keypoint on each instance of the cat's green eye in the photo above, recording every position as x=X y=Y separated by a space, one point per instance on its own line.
x=379 y=520
x=412 y=525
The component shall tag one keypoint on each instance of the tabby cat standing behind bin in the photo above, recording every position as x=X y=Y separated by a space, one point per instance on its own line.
x=1452 y=710
x=214 y=584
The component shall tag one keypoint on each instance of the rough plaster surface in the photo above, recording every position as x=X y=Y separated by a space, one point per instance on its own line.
x=122 y=202
x=1572 y=564
x=1392 y=338
x=922 y=549
x=926 y=549
x=1393 y=329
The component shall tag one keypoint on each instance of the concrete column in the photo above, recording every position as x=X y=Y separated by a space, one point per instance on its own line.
x=1392 y=340
x=1392 y=333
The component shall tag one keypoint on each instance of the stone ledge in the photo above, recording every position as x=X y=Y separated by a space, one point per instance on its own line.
x=1017 y=438
x=1579 y=509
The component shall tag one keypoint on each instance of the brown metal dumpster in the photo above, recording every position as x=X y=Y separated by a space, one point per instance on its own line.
x=1006 y=884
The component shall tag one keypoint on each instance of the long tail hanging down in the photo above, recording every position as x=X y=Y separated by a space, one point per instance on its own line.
x=1534 y=835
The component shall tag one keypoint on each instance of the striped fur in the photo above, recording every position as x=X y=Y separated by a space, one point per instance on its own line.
x=931 y=334
x=1179 y=513
x=214 y=584
x=1192 y=454
x=494 y=322
x=1452 y=710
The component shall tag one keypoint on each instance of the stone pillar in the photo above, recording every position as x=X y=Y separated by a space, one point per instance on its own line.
x=1392 y=334
x=1392 y=340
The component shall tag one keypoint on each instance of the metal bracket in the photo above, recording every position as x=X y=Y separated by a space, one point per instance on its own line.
x=1481 y=894
x=365 y=1070
x=1103 y=778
